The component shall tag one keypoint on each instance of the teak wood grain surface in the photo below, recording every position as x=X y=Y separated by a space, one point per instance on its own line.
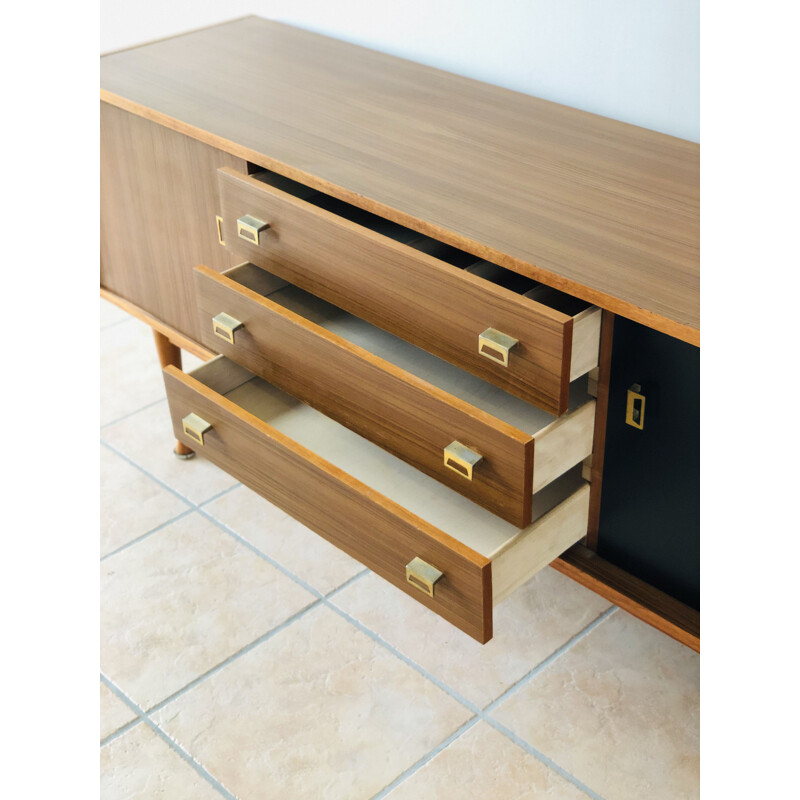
x=604 y=210
x=158 y=200
x=631 y=594
x=425 y=301
x=401 y=413
x=368 y=526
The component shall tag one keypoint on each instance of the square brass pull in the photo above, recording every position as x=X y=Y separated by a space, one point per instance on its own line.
x=461 y=459
x=250 y=228
x=225 y=326
x=495 y=345
x=422 y=575
x=195 y=428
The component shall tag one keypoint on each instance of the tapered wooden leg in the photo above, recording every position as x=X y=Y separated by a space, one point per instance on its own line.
x=169 y=354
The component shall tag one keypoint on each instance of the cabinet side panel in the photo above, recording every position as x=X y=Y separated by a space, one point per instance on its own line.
x=158 y=203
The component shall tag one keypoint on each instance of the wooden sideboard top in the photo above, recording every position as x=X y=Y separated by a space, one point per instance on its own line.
x=601 y=209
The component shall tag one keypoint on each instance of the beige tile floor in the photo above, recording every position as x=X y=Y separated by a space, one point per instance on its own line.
x=244 y=657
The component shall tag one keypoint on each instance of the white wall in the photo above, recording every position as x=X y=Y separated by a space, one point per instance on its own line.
x=633 y=60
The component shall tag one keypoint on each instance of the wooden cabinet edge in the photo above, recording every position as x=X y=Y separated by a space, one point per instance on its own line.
x=600 y=422
x=631 y=594
x=664 y=324
x=175 y=336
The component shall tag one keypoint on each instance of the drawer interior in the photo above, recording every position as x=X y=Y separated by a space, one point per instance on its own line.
x=457 y=382
x=438 y=505
x=492 y=273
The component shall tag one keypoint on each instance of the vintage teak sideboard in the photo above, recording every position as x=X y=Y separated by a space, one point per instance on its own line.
x=451 y=328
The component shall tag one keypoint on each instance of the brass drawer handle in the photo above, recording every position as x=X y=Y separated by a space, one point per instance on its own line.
x=422 y=575
x=250 y=228
x=219 y=230
x=195 y=428
x=225 y=326
x=461 y=459
x=496 y=345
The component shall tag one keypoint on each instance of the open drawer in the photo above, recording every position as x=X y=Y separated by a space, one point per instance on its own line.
x=415 y=287
x=472 y=436
x=451 y=555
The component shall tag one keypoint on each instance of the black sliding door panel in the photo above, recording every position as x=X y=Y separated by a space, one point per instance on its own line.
x=650 y=508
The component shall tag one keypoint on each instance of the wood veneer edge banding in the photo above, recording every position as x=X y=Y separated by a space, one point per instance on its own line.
x=650 y=319
x=488 y=606
x=566 y=364
x=600 y=423
x=175 y=336
x=530 y=456
x=631 y=594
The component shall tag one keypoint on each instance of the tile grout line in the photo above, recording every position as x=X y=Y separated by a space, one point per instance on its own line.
x=427 y=758
x=176 y=518
x=148 y=533
x=195 y=508
x=349 y=582
x=250 y=546
x=119 y=731
x=323 y=600
x=376 y=637
x=199 y=768
x=543 y=665
x=234 y=656
x=252 y=645
x=482 y=713
x=150 y=475
x=132 y=413
x=277 y=564
x=219 y=494
x=219 y=524
x=541 y=757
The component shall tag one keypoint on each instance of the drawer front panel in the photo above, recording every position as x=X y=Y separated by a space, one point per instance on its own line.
x=379 y=533
x=427 y=302
x=403 y=414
